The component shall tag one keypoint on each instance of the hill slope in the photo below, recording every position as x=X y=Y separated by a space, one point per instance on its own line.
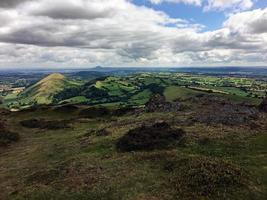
x=43 y=91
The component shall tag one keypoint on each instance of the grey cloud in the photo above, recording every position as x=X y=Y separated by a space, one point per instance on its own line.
x=259 y=26
x=66 y=10
x=11 y=3
x=123 y=34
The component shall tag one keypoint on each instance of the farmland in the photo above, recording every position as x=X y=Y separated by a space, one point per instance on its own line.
x=146 y=135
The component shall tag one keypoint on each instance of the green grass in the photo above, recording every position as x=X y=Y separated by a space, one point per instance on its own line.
x=44 y=91
x=174 y=92
x=129 y=89
x=116 y=86
x=58 y=164
x=77 y=100
x=141 y=98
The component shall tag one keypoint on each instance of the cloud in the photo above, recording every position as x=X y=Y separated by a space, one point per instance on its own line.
x=214 y=5
x=253 y=22
x=232 y=5
x=69 y=9
x=11 y=3
x=190 y=2
x=118 y=33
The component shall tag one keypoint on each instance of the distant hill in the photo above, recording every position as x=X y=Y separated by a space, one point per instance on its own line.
x=43 y=91
x=89 y=75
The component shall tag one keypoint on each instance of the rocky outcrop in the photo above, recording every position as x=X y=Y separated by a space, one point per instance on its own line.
x=158 y=103
x=225 y=112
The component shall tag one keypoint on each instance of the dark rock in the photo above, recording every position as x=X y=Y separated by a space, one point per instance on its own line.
x=158 y=103
x=219 y=111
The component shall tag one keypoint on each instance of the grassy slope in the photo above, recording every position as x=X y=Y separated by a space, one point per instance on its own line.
x=131 y=87
x=116 y=86
x=173 y=92
x=59 y=164
x=43 y=91
x=140 y=98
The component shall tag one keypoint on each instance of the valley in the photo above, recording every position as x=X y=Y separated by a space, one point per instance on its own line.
x=137 y=136
x=133 y=89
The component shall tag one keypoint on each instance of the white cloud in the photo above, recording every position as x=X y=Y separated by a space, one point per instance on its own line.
x=231 y=5
x=218 y=5
x=249 y=22
x=190 y=2
x=123 y=34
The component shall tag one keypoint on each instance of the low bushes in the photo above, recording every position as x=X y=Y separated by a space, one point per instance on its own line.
x=7 y=136
x=198 y=177
x=158 y=136
x=94 y=112
x=43 y=124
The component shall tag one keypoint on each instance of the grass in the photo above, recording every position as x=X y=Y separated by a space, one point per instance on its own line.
x=68 y=163
x=44 y=91
x=116 y=86
x=75 y=100
x=10 y=98
x=77 y=163
x=140 y=98
x=174 y=92
x=131 y=89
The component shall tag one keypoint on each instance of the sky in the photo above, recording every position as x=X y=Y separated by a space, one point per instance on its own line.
x=132 y=33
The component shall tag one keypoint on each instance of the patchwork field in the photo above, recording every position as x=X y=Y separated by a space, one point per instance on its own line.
x=135 y=89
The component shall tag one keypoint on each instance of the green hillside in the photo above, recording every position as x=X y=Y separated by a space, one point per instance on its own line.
x=43 y=91
x=135 y=89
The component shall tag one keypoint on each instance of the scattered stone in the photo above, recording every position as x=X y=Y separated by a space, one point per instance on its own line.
x=158 y=103
x=158 y=136
x=222 y=112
